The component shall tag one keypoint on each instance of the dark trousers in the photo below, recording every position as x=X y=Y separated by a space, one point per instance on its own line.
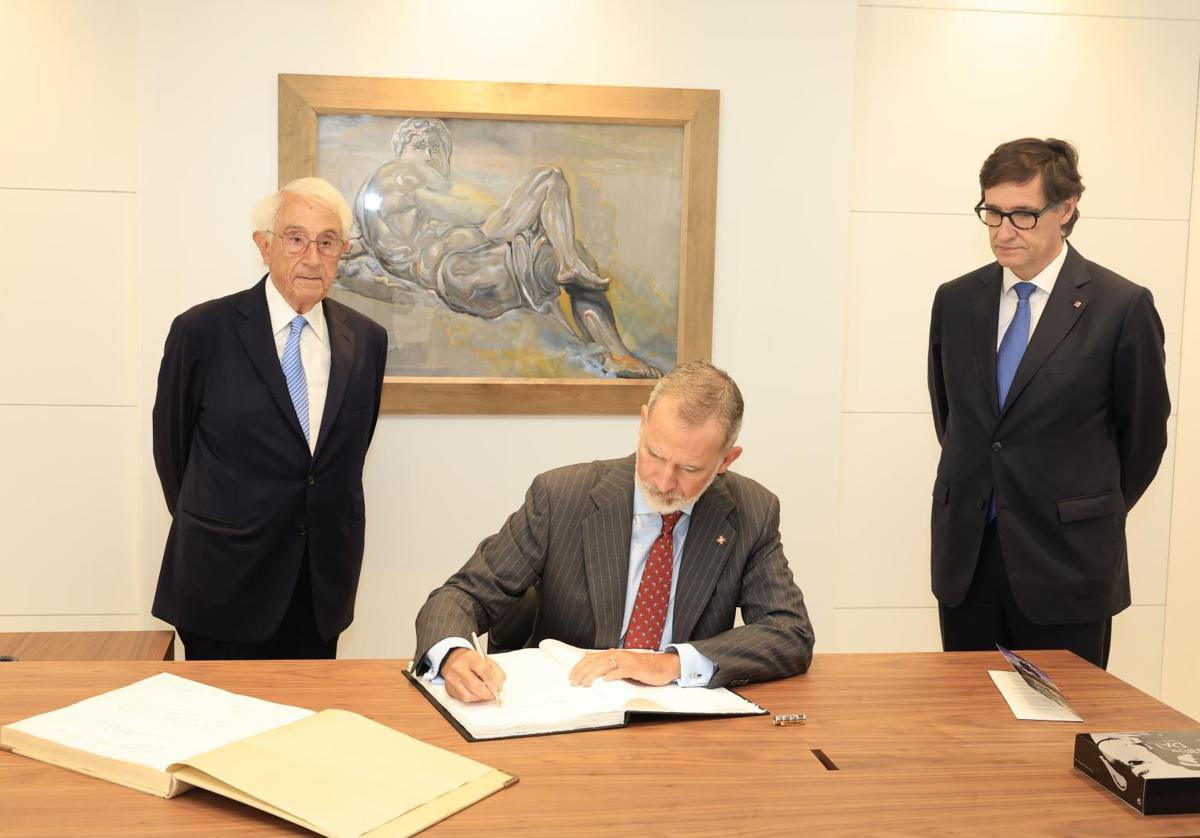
x=296 y=638
x=989 y=615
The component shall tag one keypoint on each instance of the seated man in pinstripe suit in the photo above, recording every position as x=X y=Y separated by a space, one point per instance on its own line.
x=655 y=552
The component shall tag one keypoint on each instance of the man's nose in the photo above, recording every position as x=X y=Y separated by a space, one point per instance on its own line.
x=312 y=255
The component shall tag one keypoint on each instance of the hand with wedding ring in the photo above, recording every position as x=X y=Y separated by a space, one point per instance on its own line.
x=654 y=668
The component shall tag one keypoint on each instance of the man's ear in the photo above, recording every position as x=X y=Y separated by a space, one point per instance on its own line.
x=730 y=455
x=264 y=245
x=645 y=413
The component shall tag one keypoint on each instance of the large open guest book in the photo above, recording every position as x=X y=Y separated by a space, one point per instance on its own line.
x=538 y=698
x=336 y=773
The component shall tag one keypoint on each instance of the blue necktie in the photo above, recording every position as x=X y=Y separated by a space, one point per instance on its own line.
x=293 y=371
x=1012 y=345
x=1008 y=356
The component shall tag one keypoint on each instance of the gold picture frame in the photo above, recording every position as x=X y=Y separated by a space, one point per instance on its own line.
x=303 y=98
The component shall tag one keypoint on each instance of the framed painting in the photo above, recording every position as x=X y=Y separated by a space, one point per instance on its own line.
x=530 y=248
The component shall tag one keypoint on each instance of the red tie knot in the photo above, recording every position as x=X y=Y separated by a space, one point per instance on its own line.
x=668 y=523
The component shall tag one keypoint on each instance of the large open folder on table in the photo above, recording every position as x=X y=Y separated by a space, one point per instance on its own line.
x=336 y=773
x=538 y=698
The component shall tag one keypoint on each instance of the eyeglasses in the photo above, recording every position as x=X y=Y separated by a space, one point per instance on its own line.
x=1021 y=219
x=329 y=246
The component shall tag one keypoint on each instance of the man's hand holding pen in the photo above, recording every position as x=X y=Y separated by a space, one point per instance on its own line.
x=470 y=676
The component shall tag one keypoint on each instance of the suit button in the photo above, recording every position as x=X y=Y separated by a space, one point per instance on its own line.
x=303 y=530
x=980 y=504
x=312 y=481
x=996 y=446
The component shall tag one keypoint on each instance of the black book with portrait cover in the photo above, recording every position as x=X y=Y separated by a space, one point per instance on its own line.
x=1155 y=772
x=537 y=699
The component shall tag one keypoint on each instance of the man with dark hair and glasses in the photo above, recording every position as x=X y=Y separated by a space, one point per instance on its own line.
x=1049 y=394
x=267 y=401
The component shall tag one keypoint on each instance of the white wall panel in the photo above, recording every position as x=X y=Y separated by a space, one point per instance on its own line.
x=888 y=466
x=69 y=510
x=883 y=630
x=1148 y=532
x=935 y=92
x=1168 y=9
x=71 y=622
x=71 y=336
x=1137 y=642
x=70 y=95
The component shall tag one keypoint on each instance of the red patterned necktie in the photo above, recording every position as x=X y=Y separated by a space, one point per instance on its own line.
x=654 y=594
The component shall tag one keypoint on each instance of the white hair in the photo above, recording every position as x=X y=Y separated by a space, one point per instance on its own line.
x=315 y=189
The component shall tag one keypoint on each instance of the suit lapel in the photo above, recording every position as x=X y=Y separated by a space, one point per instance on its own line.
x=606 y=535
x=341 y=348
x=985 y=316
x=1058 y=318
x=254 y=330
x=710 y=538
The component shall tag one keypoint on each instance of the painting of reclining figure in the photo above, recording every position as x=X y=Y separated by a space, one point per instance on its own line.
x=513 y=249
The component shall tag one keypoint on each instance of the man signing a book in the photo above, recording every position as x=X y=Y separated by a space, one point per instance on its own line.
x=647 y=558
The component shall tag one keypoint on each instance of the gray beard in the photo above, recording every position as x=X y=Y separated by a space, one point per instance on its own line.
x=665 y=504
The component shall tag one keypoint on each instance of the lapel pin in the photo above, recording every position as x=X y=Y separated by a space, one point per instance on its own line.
x=1078 y=304
x=721 y=540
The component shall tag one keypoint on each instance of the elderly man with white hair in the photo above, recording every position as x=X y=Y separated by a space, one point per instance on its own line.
x=267 y=401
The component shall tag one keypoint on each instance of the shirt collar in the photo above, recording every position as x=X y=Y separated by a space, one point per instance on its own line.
x=282 y=314
x=1044 y=280
x=641 y=507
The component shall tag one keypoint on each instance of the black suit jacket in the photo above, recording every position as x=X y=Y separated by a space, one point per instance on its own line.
x=1068 y=455
x=571 y=539
x=246 y=496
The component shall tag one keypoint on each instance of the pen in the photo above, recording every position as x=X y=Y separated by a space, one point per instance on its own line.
x=483 y=654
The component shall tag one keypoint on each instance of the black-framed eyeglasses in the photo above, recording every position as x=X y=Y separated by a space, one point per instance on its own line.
x=1021 y=219
x=295 y=243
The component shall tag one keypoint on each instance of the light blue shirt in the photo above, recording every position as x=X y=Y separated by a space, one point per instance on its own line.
x=695 y=669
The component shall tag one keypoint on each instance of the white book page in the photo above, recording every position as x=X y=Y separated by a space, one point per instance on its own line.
x=670 y=697
x=536 y=696
x=158 y=721
x=1026 y=702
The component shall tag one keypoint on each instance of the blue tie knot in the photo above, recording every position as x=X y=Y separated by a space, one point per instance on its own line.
x=1025 y=290
x=298 y=324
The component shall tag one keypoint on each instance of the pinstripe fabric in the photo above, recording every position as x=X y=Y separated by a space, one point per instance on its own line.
x=571 y=539
x=293 y=371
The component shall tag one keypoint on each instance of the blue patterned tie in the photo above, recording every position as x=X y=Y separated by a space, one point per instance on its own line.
x=1008 y=356
x=293 y=371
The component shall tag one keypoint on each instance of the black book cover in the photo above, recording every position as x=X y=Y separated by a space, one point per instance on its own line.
x=1155 y=772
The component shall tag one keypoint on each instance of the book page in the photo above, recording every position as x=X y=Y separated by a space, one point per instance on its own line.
x=669 y=698
x=339 y=773
x=158 y=721
x=536 y=697
x=1026 y=702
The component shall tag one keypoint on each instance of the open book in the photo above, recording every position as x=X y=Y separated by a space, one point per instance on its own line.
x=537 y=698
x=334 y=772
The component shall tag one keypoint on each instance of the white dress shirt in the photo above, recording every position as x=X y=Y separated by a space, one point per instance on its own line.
x=315 y=354
x=1037 y=300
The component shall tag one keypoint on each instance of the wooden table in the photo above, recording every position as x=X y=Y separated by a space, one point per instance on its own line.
x=923 y=744
x=89 y=645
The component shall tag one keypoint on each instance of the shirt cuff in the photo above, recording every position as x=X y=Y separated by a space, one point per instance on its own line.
x=695 y=670
x=437 y=653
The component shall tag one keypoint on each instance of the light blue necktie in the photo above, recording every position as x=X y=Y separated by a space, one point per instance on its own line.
x=1008 y=356
x=1012 y=345
x=293 y=371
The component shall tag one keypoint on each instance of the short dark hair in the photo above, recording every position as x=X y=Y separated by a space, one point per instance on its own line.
x=1020 y=161
x=703 y=391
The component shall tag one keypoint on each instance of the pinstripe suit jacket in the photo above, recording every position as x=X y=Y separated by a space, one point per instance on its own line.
x=571 y=539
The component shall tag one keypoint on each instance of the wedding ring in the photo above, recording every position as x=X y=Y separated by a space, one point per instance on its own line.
x=613 y=661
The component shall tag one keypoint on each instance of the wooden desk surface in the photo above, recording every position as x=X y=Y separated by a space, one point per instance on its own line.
x=923 y=743
x=89 y=645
